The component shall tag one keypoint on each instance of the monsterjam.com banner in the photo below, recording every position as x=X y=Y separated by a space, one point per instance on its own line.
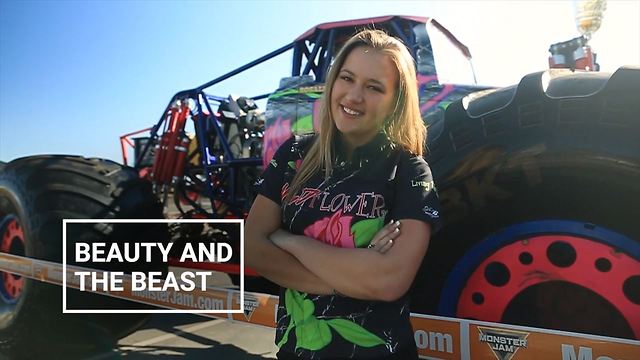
x=436 y=337
x=457 y=339
x=446 y=338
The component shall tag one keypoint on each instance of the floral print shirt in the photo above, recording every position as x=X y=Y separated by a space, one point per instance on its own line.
x=382 y=182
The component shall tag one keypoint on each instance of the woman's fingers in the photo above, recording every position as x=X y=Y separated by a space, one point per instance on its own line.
x=382 y=233
x=385 y=235
x=387 y=245
x=382 y=246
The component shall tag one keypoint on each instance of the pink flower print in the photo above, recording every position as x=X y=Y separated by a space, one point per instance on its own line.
x=334 y=230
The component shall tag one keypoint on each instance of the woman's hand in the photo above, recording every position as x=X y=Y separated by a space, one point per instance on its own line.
x=383 y=240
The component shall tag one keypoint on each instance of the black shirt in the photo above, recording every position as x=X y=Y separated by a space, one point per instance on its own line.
x=380 y=183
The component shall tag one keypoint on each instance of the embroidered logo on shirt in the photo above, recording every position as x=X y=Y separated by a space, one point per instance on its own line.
x=427 y=185
x=258 y=182
x=433 y=213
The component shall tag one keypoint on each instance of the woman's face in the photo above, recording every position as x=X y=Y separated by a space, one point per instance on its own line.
x=363 y=95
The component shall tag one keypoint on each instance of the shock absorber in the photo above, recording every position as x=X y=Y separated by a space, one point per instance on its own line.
x=181 y=154
x=173 y=146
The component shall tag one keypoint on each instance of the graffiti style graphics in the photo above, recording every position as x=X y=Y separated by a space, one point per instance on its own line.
x=291 y=110
x=275 y=135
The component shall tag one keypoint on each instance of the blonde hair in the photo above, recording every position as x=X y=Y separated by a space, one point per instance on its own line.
x=404 y=125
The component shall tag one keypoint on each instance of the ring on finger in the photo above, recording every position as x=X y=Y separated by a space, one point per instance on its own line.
x=371 y=245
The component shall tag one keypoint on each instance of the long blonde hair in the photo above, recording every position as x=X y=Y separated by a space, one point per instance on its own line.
x=404 y=125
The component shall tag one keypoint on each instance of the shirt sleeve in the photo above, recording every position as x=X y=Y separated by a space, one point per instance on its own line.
x=270 y=183
x=415 y=195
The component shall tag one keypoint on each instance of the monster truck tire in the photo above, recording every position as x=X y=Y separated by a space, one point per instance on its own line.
x=36 y=193
x=540 y=180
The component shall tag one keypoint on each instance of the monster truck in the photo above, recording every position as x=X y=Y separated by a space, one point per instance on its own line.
x=538 y=183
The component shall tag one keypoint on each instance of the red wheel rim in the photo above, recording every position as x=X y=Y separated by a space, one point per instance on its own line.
x=608 y=284
x=11 y=242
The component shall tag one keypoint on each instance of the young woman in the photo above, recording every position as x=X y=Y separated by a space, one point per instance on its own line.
x=344 y=218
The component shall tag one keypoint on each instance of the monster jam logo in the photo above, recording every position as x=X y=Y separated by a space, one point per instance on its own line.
x=250 y=305
x=503 y=343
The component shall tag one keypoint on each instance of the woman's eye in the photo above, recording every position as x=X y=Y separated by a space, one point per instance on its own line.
x=345 y=78
x=375 y=88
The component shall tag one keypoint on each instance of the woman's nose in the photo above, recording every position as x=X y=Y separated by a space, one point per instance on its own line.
x=355 y=94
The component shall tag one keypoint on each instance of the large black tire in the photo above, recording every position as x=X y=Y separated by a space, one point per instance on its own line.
x=36 y=193
x=525 y=162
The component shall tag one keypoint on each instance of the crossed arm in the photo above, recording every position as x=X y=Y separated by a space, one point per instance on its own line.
x=268 y=259
x=299 y=262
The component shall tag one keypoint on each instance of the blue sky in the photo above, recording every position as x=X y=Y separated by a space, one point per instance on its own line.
x=75 y=75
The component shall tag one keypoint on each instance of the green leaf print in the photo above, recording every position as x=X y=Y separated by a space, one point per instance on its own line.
x=313 y=334
x=364 y=230
x=297 y=306
x=285 y=337
x=355 y=333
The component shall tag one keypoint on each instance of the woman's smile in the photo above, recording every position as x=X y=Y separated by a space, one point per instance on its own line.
x=351 y=112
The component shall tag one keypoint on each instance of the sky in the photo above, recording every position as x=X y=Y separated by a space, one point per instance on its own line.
x=75 y=75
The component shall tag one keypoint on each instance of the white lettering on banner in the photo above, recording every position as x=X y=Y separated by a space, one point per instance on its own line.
x=503 y=340
x=178 y=298
x=584 y=353
x=182 y=299
x=82 y=252
x=140 y=281
x=151 y=281
x=95 y=252
x=206 y=303
x=503 y=343
x=110 y=281
x=82 y=274
x=212 y=252
x=432 y=339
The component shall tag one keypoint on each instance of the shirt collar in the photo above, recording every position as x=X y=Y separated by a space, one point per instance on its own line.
x=379 y=145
